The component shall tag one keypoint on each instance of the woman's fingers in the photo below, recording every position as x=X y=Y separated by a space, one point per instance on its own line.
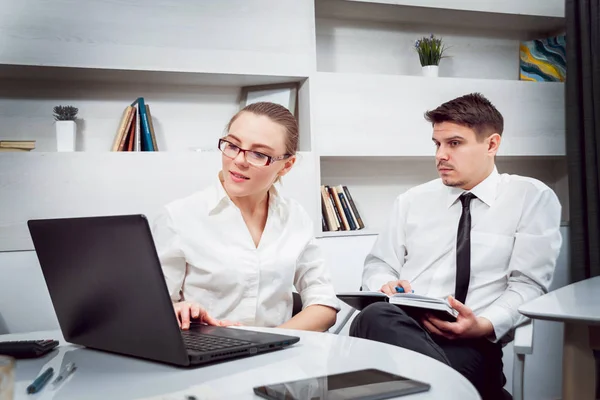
x=205 y=317
x=195 y=310
x=185 y=315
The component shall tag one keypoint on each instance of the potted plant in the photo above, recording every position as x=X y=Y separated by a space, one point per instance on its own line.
x=65 y=127
x=431 y=51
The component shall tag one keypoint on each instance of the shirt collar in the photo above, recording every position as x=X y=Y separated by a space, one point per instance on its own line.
x=485 y=191
x=220 y=200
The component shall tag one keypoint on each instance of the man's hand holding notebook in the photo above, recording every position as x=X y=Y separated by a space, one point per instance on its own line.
x=413 y=304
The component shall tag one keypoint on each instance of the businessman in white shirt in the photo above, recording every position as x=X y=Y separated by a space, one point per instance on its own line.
x=486 y=241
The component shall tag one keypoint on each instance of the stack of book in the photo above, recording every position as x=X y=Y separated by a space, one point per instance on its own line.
x=136 y=130
x=338 y=210
x=17 y=145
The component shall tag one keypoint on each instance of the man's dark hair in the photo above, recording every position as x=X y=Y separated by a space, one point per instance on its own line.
x=471 y=110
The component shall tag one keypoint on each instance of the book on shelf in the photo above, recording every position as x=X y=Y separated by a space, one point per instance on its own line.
x=136 y=129
x=353 y=208
x=339 y=210
x=338 y=205
x=151 y=125
x=126 y=119
x=413 y=304
x=327 y=209
x=17 y=145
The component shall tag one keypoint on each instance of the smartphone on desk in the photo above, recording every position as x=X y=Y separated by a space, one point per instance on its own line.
x=366 y=384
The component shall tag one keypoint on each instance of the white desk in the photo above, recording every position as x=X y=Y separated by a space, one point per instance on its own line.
x=578 y=306
x=106 y=376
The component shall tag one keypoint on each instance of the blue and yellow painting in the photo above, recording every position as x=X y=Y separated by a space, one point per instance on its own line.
x=544 y=60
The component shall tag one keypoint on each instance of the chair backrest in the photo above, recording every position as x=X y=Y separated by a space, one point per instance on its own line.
x=297 y=307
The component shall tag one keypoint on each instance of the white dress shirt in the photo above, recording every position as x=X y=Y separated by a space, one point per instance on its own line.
x=208 y=256
x=515 y=241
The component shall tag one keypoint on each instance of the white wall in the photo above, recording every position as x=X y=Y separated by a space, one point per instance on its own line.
x=25 y=304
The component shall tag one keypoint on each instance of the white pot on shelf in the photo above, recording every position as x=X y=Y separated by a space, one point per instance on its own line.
x=430 y=71
x=65 y=135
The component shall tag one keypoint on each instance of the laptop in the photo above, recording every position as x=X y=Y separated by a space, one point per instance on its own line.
x=109 y=293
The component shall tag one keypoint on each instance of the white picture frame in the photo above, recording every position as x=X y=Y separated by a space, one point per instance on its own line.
x=285 y=94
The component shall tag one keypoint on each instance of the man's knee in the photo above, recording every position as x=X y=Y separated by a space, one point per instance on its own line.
x=376 y=315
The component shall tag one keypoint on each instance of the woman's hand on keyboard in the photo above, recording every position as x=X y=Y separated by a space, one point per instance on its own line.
x=187 y=310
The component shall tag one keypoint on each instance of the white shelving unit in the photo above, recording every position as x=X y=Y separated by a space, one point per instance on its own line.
x=375 y=182
x=361 y=98
x=223 y=37
x=368 y=96
x=382 y=115
x=189 y=111
x=515 y=15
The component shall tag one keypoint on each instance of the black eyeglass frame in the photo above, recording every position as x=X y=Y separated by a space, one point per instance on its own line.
x=269 y=159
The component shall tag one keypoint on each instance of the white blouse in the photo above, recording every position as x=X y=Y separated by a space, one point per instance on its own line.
x=208 y=256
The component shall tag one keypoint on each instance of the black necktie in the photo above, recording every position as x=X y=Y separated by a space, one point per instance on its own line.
x=463 y=248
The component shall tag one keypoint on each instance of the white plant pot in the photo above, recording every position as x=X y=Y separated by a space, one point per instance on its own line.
x=430 y=71
x=65 y=135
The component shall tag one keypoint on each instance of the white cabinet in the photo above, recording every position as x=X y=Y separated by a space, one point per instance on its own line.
x=55 y=185
x=225 y=36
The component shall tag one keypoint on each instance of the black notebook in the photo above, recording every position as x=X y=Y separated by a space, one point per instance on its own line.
x=413 y=304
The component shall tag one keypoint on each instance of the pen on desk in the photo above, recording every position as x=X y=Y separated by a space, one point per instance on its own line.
x=64 y=374
x=40 y=381
x=401 y=290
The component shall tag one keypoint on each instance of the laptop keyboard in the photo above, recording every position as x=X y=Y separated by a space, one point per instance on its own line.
x=202 y=342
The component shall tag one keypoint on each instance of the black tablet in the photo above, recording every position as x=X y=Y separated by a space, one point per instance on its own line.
x=366 y=384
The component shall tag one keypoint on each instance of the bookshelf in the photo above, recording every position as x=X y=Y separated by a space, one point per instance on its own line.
x=360 y=86
x=189 y=110
x=375 y=182
x=368 y=96
x=377 y=38
x=362 y=232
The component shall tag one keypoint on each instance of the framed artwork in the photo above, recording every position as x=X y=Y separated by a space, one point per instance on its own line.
x=543 y=60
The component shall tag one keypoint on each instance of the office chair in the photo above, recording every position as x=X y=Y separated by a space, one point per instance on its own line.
x=522 y=345
x=297 y=307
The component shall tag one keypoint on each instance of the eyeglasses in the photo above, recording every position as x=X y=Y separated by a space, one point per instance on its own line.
x=253 y=157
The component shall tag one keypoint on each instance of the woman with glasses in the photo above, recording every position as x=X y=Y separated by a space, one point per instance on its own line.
x=233 y=253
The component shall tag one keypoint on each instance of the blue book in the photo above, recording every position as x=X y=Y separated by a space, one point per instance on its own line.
x=144 y=126
x=347 y=212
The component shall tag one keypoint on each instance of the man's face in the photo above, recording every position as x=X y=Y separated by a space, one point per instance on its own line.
x=461 y=160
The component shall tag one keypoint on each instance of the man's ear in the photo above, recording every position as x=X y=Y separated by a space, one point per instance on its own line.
x=494 y=141
x=287 y=166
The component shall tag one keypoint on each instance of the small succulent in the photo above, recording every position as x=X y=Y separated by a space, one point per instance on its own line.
x=65 y=113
